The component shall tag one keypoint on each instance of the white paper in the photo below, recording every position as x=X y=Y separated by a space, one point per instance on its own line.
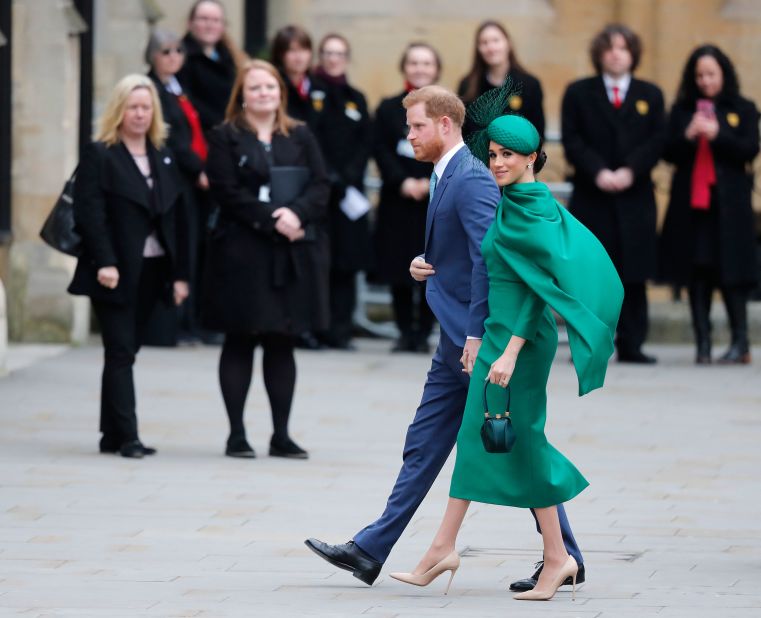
x=264 y=193
x=354 y=204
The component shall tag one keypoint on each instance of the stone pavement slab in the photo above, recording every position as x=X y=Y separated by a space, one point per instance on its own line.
x=669 y=526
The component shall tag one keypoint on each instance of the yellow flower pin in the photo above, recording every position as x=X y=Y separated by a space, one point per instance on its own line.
x=351 y=105
x=515 y=102
x=642 y=107
x=733 y=120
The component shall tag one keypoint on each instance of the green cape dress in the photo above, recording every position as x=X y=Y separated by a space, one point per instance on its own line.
x=537 y=256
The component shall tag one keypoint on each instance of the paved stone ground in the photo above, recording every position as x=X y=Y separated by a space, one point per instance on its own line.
x=670 y=524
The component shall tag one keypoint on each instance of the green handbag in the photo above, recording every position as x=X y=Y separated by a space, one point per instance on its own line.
x=497 y=432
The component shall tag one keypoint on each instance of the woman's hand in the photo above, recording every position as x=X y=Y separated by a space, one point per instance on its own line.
x=288 y=223
x=181 y=291
x=501 y=370
x=108 y=277
x=203 y=181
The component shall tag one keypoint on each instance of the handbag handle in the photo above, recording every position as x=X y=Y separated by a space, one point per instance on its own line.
x=486 y=403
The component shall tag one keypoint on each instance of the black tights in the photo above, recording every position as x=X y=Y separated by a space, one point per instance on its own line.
x=236 y=367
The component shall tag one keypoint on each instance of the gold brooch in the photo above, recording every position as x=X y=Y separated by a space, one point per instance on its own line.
x=515 y=102
x=733 y=120
x=642 y=107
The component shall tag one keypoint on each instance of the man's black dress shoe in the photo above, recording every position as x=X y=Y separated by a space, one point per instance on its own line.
x=637 y=357
x=109 y=445
x=135 y=450
x=348 y=557
x=528 y=584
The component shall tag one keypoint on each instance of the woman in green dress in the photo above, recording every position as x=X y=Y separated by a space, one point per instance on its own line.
x=538 y=256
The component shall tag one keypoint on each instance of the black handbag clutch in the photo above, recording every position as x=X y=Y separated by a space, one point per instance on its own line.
x=497 y=432
x=59 y=230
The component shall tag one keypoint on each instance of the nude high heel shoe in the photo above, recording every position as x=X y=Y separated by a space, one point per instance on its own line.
x=450 y=563
x=570 y=569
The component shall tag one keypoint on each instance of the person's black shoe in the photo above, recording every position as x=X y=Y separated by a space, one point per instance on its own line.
x=636 y=357
x=240 y=448
x=402 y=344
x=528 y=584
x=132 y=450
x=109 y=444
x=287 y=448
x=735 y=355
x=348 y=557
x=307 y=341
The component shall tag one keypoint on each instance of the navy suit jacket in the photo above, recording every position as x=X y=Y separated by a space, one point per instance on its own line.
x=460 y=212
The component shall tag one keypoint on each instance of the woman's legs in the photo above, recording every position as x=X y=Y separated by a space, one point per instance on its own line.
x=444 y=542
x=279 y=368
x=700 y=292
x=236 y=365
x=555 y=554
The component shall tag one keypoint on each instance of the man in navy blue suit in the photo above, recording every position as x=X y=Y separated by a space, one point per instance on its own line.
x=463 y=198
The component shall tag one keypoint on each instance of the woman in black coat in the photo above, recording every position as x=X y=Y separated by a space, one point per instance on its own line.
x=129 y=209
x=613 y=135
x=344 y=134
x=267 y=268
x=165 y=55
x=494 y=60
x=708 y=238
x=400 y=226
x=210 y=62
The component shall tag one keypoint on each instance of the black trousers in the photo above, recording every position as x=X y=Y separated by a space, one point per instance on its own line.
x=411 y=311
x=633 y=323
x=122 y=328
x=343 y=300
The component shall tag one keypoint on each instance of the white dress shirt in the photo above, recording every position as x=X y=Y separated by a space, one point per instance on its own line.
x=441 y=166
x=622 y=82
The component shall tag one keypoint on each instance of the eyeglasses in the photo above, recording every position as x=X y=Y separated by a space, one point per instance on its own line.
x=334 y=54
x=208 y=19
x=169 y=50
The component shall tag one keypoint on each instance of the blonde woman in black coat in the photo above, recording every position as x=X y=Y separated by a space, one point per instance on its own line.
x=708 y=238
x=129 y=208
x=267 y=270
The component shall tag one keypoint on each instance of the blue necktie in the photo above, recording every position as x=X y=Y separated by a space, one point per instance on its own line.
x=432 y=186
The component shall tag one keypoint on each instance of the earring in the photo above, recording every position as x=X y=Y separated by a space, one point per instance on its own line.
x=243 y=105
x=530 y=165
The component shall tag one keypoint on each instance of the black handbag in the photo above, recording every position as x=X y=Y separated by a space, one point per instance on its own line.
x=497 y=432
x=59 y=230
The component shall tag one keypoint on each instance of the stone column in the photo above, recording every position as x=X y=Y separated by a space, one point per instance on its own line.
x=45 y=132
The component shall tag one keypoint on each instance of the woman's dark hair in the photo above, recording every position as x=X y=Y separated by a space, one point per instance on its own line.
x=338 y=37
x=604 y=39
x=479 y=67
x=416 y=45
x=541 y=160
x=688 y=91
x=282 y=43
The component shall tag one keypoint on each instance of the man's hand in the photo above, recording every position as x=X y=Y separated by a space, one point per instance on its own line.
x=469 y=355
x=420 y=269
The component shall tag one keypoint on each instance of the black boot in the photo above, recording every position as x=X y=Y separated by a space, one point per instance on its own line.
x=738 y=353
x=700 y=292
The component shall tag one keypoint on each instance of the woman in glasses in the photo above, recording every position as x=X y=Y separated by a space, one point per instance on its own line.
x=165 y=55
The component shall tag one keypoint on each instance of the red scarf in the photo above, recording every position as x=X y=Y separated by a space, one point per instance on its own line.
x=303 y=87
x=197 y=140
x=703 y=176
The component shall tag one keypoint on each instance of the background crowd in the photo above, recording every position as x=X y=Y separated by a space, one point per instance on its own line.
x=262 y=267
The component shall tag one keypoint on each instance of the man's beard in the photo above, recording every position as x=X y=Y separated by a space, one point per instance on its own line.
x=432 y=150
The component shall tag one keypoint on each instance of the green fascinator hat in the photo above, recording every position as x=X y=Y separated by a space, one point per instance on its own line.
x=489 y=120
x=514 y=133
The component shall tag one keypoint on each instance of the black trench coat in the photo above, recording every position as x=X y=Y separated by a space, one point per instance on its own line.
x=734 y=149
x=344 y=134
x=400 y=226
x=256 y=281
x=115 y=213
x=598 y=136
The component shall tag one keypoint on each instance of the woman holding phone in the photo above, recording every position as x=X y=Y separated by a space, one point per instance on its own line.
x=708 y=238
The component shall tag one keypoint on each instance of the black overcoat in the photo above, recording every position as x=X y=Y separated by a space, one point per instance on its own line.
x=529 y=103
x=207 y=82
x=180 y=136
x=115 y=212
x=256 y=281
x=400 y=225
x=598 y=136
x=345 y=136
x=307 y=109
x=734 y=149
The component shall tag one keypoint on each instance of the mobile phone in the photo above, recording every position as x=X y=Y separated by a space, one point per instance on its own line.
x=705 y=107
